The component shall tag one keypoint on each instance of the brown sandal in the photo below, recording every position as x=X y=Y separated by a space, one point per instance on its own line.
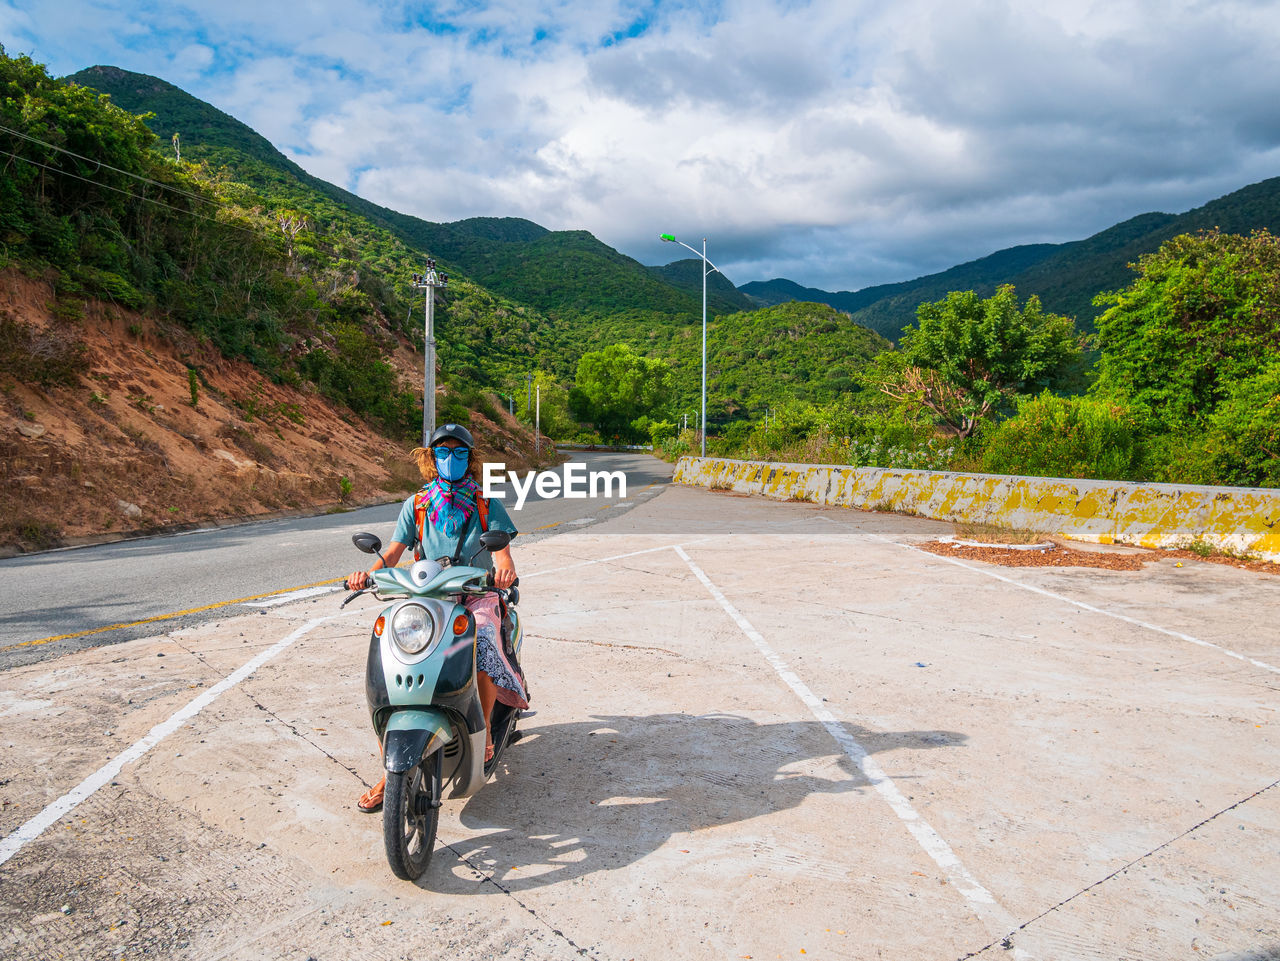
x=371 y=801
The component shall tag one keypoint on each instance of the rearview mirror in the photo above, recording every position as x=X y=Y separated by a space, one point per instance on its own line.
x=368 y=543
x=494 y=540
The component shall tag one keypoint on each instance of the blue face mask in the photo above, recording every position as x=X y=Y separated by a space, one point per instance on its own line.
x=451 y=463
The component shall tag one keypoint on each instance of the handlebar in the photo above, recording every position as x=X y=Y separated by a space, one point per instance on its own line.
x=354 y=594
x=488 y=581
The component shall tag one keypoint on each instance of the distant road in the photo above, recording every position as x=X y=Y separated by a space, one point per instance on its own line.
x=185 y=578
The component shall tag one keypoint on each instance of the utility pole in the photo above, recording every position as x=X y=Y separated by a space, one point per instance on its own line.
x=429 y=282
x=708 y=268
x=705 y=271
x=537 y=425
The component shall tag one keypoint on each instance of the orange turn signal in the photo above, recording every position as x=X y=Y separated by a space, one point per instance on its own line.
x=378 y=625
x=460 y=624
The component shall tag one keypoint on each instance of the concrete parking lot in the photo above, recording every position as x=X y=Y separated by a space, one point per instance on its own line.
x=764 y=730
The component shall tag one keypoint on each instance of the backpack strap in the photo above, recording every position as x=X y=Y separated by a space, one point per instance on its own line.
x=482 y=508
x=420 y=501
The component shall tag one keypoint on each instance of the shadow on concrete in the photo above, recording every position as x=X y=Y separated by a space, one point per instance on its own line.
x=574 y=799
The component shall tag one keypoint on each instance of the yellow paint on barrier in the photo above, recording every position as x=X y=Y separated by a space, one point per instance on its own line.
x=1234 y=519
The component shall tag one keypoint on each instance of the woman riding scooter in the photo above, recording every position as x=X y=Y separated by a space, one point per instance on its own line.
x=445 y=520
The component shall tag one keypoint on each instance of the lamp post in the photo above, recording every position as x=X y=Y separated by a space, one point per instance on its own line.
x=708 y=268
x=429 y=282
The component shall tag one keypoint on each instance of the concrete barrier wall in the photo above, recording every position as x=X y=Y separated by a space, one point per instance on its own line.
x=1239 y=520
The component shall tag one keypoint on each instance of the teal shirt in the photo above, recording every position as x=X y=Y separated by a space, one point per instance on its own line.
x=441 y=545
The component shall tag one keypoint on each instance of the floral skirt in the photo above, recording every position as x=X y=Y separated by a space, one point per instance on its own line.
x=490 y=657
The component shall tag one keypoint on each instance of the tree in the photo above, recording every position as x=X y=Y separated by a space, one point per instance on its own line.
x=1244 y=431
x=1202 y=316
x=970 y=356
x=616 y=386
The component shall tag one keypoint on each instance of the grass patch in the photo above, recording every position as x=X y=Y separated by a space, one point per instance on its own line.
x=402 y=478
x=245 y=440
x=991 y=534
x=33 y=535
x=1204 y=549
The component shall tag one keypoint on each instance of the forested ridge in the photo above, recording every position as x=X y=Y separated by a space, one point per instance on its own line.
x=522 y=300
x=212 y=228
x=1066 y=277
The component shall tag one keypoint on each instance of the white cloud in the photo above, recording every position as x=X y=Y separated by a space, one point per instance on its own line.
x=838 y=142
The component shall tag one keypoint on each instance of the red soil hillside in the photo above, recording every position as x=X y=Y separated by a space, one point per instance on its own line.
x=124 y=450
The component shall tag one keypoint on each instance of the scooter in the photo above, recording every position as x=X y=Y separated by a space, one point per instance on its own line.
x=424 y=702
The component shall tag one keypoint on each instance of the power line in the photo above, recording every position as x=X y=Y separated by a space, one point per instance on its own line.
x=51 y=146
x=128 y=193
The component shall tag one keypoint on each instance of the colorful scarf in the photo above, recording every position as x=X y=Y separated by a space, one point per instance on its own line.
x=450 y=506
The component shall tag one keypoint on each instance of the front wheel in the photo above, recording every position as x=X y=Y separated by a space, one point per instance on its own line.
x=410 y=815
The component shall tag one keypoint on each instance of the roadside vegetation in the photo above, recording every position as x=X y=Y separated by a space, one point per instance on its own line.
x=89 y=204
x=230 y=241
x=1181 y=383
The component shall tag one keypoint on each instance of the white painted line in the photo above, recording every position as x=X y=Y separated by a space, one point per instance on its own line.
x=615 y=557
x=1081 y=604
x=297 y=595
x=980 y=899
x=16 y=839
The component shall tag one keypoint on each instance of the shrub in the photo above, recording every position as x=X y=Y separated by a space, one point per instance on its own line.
x=660 y=431
x=1244 y=432
x=53 y=357
x=1065 y=437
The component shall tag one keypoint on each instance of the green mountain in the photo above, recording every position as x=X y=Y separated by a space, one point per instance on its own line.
x=551 y=271
x=722 y=296
x=1066 y=277
x=866 y=303
x=521 y=297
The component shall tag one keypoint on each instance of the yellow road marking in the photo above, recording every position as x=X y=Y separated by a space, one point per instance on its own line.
x=212 y=607
x=166 y=617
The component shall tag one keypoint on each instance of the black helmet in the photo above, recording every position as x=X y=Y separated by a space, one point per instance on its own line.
x=455 y=431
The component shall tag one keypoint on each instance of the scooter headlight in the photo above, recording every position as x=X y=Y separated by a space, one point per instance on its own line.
x=412 y=628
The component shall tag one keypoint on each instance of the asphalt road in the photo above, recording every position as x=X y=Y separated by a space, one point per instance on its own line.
x=79 y=596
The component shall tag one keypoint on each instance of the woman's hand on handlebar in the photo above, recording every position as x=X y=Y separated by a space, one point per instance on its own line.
x=358 y=581
x=504 y=568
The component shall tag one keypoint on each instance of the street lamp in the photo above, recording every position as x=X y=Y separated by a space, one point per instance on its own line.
x=429 y=282
x=667 y=238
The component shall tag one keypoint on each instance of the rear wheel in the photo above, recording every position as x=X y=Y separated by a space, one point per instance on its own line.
x=410 y=815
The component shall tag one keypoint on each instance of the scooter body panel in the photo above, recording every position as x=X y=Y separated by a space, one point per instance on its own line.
x=417 y=700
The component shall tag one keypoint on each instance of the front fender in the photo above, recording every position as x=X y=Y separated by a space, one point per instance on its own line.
x=410 y=736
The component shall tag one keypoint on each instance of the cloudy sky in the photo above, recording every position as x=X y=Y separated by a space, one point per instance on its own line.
x=838 y=143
